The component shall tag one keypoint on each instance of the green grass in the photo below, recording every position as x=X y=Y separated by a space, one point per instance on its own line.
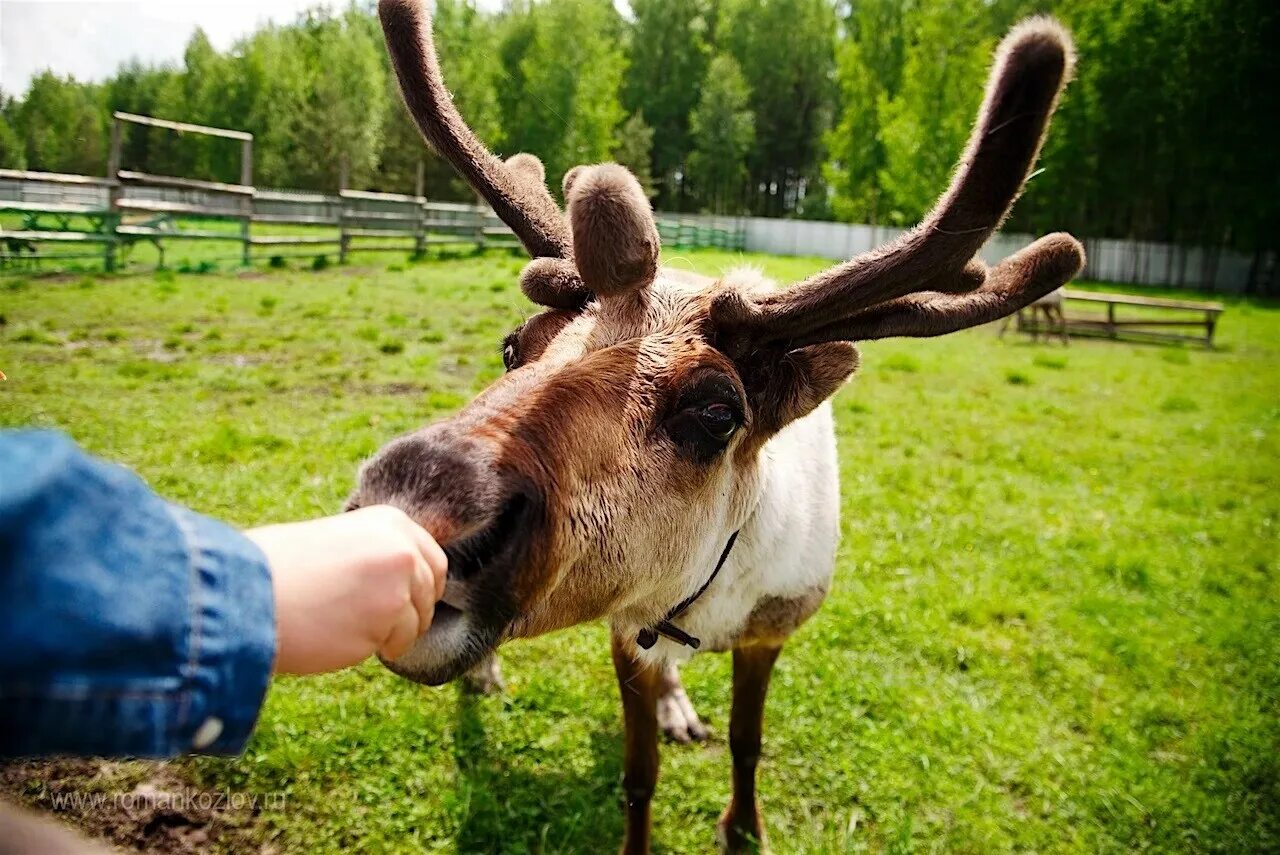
x=1054 y=627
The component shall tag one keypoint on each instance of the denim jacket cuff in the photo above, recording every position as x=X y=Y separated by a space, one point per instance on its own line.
x=232 y=640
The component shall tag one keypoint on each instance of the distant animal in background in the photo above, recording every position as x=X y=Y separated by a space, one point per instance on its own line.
x=1055 y=321
x=13 y=250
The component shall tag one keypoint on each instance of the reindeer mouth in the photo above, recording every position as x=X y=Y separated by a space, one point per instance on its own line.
x=478 y=603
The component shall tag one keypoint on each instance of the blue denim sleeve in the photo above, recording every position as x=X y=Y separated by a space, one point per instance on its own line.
x=129 y=626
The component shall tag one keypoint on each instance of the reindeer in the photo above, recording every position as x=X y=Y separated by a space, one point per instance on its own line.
x=14 y=247
x=661 y=452
x=1050 y=305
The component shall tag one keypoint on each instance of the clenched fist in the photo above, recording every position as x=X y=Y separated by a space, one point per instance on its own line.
x=349 y=586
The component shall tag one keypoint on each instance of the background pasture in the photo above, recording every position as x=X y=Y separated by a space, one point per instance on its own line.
x=1055 y=623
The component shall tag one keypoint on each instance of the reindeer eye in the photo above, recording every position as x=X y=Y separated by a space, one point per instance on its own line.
x=509 y=356
x=718 y=420
x=705 y=418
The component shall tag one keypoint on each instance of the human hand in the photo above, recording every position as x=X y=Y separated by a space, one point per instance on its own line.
x=349 y=586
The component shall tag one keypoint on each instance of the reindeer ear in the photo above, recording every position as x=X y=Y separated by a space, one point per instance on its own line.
x=788 y=387
x=615 y=240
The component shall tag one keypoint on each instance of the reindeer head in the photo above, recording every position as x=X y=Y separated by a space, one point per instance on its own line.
x=603 y=474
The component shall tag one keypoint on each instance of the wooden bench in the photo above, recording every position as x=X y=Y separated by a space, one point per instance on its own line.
x=1143 y=328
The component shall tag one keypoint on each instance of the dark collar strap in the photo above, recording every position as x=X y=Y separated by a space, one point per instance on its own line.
x=648 y=636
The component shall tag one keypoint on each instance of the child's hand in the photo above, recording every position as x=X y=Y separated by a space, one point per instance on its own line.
x=349 y=586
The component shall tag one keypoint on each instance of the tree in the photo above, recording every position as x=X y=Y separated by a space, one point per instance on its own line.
x=13 y=153
x=341 y=128
x=274 y=85
x=571 y=71
x=200 y=95
x=135 y=88
x=723 y=131
x=785 y=49
x=868 y=68
x=670 y=50
x=925 y=125
x=1157 y=138
x=62 y=126
x=635 y=150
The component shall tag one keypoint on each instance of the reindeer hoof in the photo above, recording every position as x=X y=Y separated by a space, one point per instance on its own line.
x=676 y=715
x=485 y=678
x=733 y=838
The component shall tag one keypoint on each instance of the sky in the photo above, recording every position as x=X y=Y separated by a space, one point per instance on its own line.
x=89 y=39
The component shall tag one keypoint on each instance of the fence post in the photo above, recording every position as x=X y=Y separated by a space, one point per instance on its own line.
x=246 y=179
x=112 y=219
x=344 y=240
x=420 y=232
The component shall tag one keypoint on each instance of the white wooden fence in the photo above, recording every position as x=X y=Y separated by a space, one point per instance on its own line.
x=1137 y=262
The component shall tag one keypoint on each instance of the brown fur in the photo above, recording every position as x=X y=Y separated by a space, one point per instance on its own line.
x=1012 y=284
x=554 y=282
x=639 y=686
x=529 y=169
x=740 y=828
x=615 y=240
x=775 y=618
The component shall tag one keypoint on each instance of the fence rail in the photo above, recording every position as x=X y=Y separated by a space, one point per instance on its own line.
x=1134 y=262
x=137 y=206
x=134 y=206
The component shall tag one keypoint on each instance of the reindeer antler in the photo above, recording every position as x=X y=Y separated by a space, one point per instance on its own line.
x=514 y=189
x=867 y=297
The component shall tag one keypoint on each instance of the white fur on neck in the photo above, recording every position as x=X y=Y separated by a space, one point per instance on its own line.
x=787 y=545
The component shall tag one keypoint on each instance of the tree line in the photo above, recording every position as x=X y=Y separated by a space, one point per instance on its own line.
x=853 y=110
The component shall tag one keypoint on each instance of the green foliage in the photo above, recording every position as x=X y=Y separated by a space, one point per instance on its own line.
x=1054 y=625
x=856 y=153
x=723 y=130
x=670 y=47
x=62 y=126
x=859 y=110
x=786 y=52
x=13 y=152
x=634 y=149
x=570 y=67
x=924 y=126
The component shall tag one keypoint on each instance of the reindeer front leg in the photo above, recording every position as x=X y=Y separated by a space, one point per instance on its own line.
x=640 y=686
x=740 y=828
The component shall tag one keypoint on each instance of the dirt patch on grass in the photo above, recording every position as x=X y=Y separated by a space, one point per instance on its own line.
x=135 y=805
x=392 y=389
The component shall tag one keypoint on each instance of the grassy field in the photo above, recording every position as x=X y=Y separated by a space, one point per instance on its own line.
x=1055 y=624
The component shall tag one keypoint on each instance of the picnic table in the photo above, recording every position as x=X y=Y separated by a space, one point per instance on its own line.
x=1144 y=324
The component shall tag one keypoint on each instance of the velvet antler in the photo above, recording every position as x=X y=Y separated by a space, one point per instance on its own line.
x=867 y=297
x=514 y=189
x=615 y=239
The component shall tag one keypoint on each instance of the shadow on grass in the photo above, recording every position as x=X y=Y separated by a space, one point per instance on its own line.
x=507 y=807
